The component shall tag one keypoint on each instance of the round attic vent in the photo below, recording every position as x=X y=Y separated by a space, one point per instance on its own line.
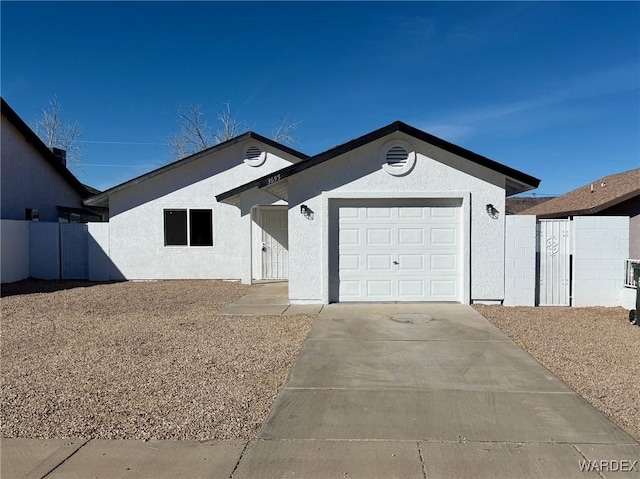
x=397 y=157
x=254 y=156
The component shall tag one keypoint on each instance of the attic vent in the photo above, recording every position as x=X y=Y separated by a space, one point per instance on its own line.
x=254 y=156
x=397 y=156
x=253 y=153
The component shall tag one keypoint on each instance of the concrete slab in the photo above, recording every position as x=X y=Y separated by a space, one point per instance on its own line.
x=612 y=461
x=310 y=309
x=474 y=365
x=502 y=461
x=403 y=322
x=323 y=459
x=234 y=309
x=438 y=415
x=152 y=459
x=257 y=298
x=34 y=458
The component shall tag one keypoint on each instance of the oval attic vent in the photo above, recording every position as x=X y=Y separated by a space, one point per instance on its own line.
x=397 y=156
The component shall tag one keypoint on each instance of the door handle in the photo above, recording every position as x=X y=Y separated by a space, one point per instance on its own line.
x=395 y=262
x=264 y=246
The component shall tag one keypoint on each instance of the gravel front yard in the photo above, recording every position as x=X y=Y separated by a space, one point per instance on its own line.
x=596 y=351
x=139 y=360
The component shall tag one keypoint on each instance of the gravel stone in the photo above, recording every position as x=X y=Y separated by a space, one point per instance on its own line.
x=139 y=360
x=595 y=351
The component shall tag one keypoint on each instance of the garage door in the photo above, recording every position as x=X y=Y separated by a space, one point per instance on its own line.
x=399 y=251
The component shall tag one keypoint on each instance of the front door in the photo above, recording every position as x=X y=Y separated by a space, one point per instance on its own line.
x=273 y=242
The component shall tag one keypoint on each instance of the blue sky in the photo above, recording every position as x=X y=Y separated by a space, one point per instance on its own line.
x=552 y=89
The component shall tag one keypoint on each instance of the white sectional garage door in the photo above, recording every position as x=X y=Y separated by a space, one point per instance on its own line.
x=398 y=251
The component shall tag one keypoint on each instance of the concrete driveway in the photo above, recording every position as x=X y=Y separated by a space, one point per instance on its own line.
x=431 y=391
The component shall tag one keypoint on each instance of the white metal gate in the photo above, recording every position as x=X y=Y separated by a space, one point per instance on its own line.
x=73 y=251
x=274 y=242
x=554 y=250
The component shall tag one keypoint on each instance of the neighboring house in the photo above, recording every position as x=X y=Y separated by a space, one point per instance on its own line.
x=614 y=195
x=395 y=215
x=516 y=204
x=36 y=184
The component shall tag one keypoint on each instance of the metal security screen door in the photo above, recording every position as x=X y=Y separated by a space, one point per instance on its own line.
x=274 y=242
x=554 y=249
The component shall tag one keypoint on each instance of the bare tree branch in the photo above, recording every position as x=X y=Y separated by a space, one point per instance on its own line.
x=55 y=132
x=195 y=134
x=284 y=132
x=230 y=127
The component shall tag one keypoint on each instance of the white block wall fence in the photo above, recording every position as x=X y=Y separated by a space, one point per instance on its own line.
x=14 y=250
x=599 y=248
x=601 y=244
x=520 y=261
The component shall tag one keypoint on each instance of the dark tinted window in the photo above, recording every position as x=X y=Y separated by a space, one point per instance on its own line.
x=175 y=227
x=201 y=228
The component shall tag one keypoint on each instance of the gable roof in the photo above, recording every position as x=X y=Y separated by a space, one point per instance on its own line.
x=606 y=192
x=520 y=182
x=102 y=197
x=44 y=151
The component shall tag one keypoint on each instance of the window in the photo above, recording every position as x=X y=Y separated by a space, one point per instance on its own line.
x=175 y=227
x=199 y=227
x=201 y=231
x=31 y=214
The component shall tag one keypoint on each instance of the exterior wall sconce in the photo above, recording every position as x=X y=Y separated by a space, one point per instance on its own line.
x=492 y=211
x=306 y=212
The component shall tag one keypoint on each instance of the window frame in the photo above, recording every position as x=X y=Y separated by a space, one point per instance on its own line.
x=188 y=226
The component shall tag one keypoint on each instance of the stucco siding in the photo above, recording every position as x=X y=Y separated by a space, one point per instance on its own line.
x=136 y=230
x=29 y=181
x=358 y=174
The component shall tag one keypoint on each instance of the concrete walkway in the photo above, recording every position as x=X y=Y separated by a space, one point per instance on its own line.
x=268 y=298
x=408 y=391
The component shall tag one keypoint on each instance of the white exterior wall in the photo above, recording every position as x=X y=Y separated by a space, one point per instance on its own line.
x=29 y=181
x=358 y=174
x=601 y=244
x=44 y=250
x=98 y=250
x=14 y=250
x=136 y=232
x=520 y=261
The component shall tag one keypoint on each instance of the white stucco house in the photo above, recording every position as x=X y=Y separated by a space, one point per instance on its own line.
x=395 y=215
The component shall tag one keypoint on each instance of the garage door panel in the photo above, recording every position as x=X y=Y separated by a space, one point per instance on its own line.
x=443 y=213
x=349 y=236
x=443 y=236
x=411 y=262
x=411 y=289
x=443 y=289
x=379 y=236
x=411 y=236
x=379 y=262
x=403 y=252
x=443 y=263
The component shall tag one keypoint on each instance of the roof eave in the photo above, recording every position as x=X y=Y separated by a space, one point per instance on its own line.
x=104 y=196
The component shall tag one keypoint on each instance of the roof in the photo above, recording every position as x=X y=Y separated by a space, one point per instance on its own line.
x=44 y=151
x=520 y=182
x=591 y=198
x=102 y=197
x=516 y=204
